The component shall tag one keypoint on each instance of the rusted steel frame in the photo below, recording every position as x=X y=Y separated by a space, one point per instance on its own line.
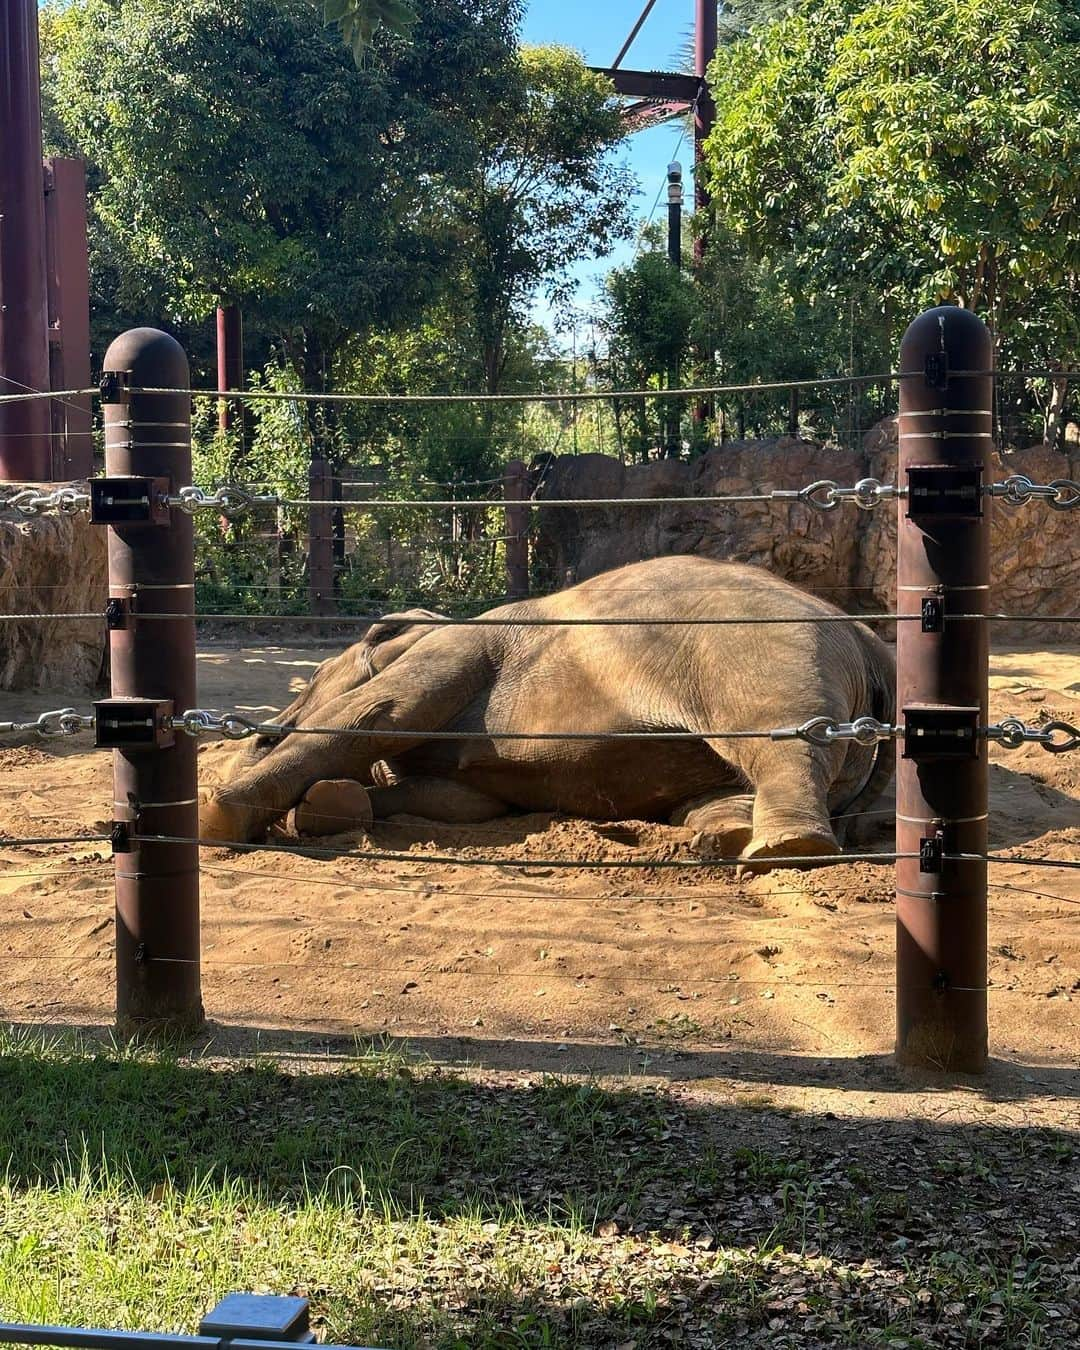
x=633 y=33
x=68 y=270
x=151 y=569
x=25 y=451
x=705 y=40
x=516 y=489
x=230 y=364
x=942 y=799
x=321 y=540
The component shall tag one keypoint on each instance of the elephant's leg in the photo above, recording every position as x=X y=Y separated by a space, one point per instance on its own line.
x=722 y=825
x=422 y=691
x=791 y=809
x=439 y=799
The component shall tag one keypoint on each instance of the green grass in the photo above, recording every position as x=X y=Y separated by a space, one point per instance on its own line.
x=417 y=1207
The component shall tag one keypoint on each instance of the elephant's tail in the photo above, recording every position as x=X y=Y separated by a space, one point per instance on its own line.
x=881 y=672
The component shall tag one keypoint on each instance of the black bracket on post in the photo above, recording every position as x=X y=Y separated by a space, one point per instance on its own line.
x=931 y=851
x=945 y=490
x=933 y=614
x=129 y=501
x=936 y=731
x=118 y=612
x=134 y=724
x=116 y=386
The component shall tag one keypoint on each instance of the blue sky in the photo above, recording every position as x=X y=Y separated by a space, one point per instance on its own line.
x=598 y=28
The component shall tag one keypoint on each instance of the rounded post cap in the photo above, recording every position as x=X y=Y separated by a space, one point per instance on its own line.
x=154 y=359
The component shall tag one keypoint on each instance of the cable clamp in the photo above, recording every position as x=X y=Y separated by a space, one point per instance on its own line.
x=825 y=731
x=1017 y=490
x=1012 y=734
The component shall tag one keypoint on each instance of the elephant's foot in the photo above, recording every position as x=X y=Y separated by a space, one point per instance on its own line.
x=722 y=826
x=334 y=806
x=722 y=839
x=797 y=842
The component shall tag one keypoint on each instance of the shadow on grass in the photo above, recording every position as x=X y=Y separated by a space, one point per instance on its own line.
x=543 y=1210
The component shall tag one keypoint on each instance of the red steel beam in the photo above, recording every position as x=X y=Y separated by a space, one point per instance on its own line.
x=24 y=323
x=661 y=84
x=69 y=316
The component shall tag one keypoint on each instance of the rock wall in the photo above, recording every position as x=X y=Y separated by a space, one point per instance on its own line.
x=51 y=565
x=846 y=555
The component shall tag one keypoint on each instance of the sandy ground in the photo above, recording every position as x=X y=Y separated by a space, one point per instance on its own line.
x=784 y=979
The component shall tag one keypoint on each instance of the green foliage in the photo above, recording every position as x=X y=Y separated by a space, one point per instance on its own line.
x=239 y=155
x=919 y=153
x=545 y=194
x=359 y=20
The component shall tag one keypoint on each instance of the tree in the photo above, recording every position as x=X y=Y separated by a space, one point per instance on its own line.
x=546 y=193
x=241 y=157
x=924 y=153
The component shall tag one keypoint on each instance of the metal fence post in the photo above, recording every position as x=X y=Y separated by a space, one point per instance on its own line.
x=151 y=572
x=942 y=690
x=25 y=454
x=321 y=539
x=515 y=489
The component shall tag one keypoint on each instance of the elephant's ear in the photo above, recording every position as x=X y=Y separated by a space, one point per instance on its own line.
x=397 y=625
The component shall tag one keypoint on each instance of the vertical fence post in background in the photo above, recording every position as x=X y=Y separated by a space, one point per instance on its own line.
x=516 y=489
x=69 y=316
x=943 y=566
x=230 y=365
x=155 y=779
x=25 y=454
x=793 y=413
x=321 y=539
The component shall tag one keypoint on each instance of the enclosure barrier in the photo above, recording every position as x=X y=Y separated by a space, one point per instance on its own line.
x=152 y=723
x=239 y=1322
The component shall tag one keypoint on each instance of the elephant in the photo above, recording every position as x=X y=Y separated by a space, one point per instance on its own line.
x=533 y=666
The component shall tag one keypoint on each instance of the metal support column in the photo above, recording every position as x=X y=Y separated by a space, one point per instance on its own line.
x=943 y=566
x=321 y=539
x=25 y=453
x=672 y=437
x=515 y=490
x=69 y=316
x=230 y=364
x=151 y=572
x=705 y=40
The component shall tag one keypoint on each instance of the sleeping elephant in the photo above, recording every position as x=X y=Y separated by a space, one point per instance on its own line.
x=662 y=671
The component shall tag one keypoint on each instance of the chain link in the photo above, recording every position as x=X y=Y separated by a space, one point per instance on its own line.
x=66 y=501
x=826 y=731
x=1017 y=490
x=1011 y=733
x=206 y=722
x=229 y=499
x=61 y=722
x=826 y=494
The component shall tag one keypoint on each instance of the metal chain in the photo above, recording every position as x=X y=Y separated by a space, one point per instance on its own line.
x=205 y=721
x=229 y=499
x=1017 y=490
x=1012 y=734
x=62 y=722
x=826 y=731
x=826 y=494
x=65 y=501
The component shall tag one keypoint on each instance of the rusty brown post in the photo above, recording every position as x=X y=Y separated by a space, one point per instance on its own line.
x=793 y=413
x=151 y=572
x=515 y=490
x=25 y=453
x=321 y=539
x=230 y=363
x=942 y=678
x=706 y=35
x=69 y=316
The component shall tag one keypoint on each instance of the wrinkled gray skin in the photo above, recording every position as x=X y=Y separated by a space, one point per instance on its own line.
x=749 y=798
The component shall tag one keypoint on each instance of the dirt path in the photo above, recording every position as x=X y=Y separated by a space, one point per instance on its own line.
x=784 y=978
